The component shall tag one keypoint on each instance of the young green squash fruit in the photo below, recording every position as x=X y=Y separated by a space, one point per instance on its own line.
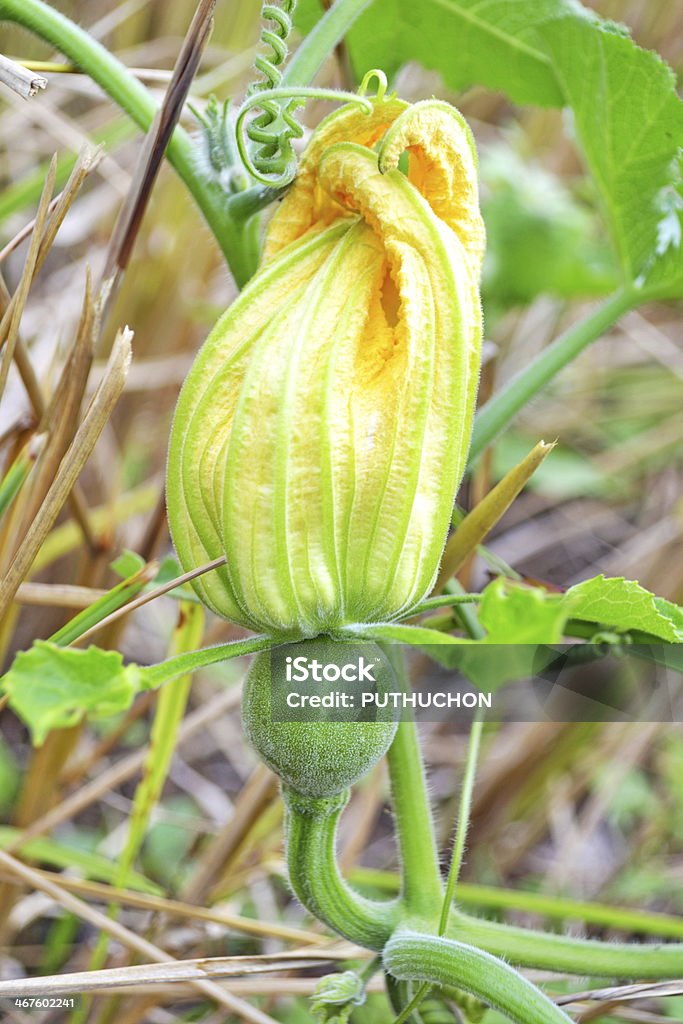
x=336 y=746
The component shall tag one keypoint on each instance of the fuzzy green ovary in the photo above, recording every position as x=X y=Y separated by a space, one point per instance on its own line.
x=323 y=757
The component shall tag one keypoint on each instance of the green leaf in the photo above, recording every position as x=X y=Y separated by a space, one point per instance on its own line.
x=674 y=613
x=495 y=44
x=527 y=620
x=52 y=687
x=127 y=563
x=624 y=605
x=115 y=598
x=629 y=121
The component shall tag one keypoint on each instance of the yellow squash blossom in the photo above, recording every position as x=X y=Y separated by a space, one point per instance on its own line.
x=322 y=432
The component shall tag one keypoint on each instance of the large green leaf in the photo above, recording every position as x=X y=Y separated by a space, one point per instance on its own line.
x=629 y=122
x=495 y=43
x=628 y=118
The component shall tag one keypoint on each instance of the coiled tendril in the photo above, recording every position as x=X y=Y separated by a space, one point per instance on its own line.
x=273 y=129
x=272 y=160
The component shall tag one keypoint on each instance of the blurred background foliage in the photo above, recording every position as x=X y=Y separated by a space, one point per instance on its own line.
x=591 y=812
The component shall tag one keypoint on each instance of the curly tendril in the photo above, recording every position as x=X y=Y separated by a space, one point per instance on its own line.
x=279 y=170
x=275 y=126
x=271 y=159
x=382 y=84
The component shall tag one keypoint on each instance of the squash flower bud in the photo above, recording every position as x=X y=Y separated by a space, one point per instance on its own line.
x=321 y=435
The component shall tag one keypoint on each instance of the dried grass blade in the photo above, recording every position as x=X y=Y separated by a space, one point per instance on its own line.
x=61 y=416
x=170 y=973
x=21 y=80
x=101 y=891
x=58 y=595
x=128 y=938
x=87 y=161
x=24 y=232
x=44 y=235
x=72 y=464
x=625 y=993
x=116 y=774
x=9 y=328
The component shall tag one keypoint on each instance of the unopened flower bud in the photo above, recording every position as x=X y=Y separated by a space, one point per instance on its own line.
x=321 y=435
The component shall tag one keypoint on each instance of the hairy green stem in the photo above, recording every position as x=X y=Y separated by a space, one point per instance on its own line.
x=624 y=918
x=462 y=827
x=311 y=831
x=165 y=671
x=545 y=951
x=411 y=956
x=497 y=413
x=422 y=891
x=463 y=822
x=132 y=97
x=321 y=41
x=641 y=921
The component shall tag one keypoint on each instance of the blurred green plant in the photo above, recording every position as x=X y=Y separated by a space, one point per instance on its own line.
x=540 y=240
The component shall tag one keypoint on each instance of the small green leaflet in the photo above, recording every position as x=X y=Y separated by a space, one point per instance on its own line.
x=525 y=619
x=529 y=620
x=624 y=605
x=127 y=563
x=52 y=687
x=627 y=115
